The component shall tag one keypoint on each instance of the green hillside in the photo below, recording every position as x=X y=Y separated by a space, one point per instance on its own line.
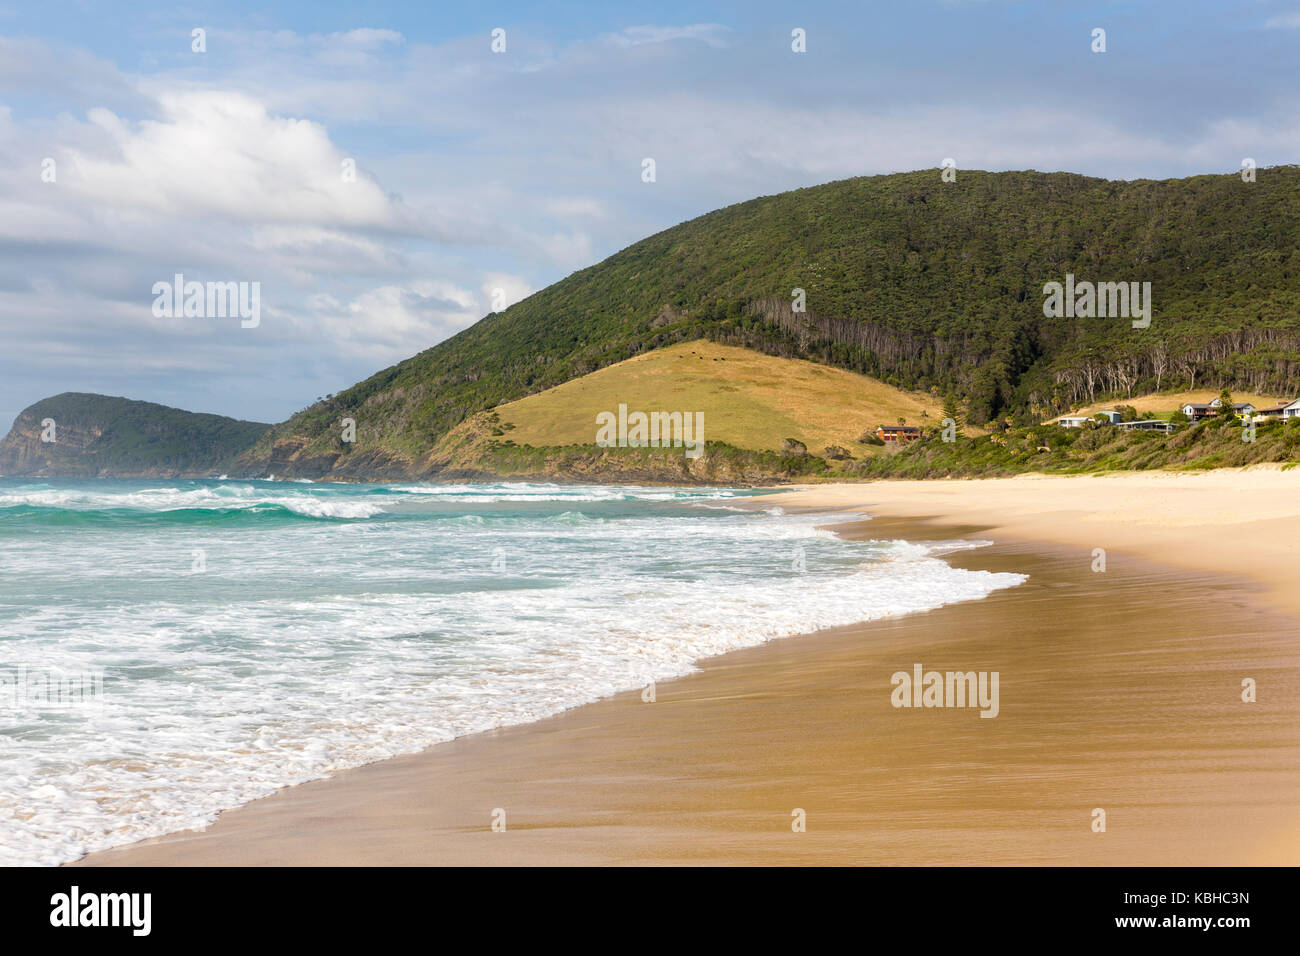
x=928 y=286
x=99 y=435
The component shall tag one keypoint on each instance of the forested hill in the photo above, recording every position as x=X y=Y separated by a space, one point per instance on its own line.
x=923 y=283
x=81 y=435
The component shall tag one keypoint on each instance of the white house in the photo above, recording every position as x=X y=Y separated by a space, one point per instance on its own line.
x=1277 y=411
x=1148 y=425
x=1076 y=421
x=1196 y=411
x=1292 y=410
x=1241 y=408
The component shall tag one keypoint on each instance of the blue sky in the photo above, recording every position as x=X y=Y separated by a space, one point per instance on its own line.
x=479 y=171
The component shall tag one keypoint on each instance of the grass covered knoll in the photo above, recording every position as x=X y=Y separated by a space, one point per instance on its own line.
x=749 y=400
x=100 y=435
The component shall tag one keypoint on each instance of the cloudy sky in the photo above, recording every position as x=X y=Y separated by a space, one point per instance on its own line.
x=479 y=170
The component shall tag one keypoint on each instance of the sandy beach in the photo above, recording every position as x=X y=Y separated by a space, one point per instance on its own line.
x=1240 y=521
x=1120 y=689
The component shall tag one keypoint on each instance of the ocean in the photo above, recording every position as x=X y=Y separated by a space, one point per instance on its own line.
x=170 y=649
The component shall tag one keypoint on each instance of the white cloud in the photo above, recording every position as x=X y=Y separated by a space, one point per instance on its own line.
x=512 y=289
x=367 y=38
x=393 y=321
x=1284 y=21
x=215 y=153
x=29 y=65
x=714 y=34
x=576 y=207
x=308 y=252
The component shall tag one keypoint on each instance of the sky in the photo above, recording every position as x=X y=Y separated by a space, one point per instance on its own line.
x=387 y=178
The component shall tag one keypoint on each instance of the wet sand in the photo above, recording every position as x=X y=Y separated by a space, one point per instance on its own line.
x=1118 y=690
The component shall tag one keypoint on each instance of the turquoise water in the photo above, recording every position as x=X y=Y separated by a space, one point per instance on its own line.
x=169 y=649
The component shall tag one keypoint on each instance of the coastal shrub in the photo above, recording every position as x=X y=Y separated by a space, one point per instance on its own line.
x=1086 y=450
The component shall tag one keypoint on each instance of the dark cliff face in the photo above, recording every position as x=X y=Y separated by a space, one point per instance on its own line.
x=79 y=435
x=23 y=452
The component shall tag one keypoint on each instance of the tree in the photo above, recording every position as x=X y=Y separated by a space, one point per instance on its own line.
x=1226 y=412
x=1160 y=362
x=951 y=409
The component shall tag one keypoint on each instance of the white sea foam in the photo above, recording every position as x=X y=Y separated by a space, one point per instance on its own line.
x=329 y=501
x=308 y=648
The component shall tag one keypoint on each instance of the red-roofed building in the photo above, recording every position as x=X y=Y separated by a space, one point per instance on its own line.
x=898 y=434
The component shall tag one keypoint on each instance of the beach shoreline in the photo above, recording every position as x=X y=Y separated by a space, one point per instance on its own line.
x=1120 y=691
x=1244 y=521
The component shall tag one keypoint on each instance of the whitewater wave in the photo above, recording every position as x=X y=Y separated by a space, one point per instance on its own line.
x=347 y=502
x=300 y=650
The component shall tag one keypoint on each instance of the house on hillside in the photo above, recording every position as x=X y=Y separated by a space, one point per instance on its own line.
x=1076 y=421
x=1148 y=425
x=1277 y=411
x=1195 y=411
x=1241 y=408
x=898 y=434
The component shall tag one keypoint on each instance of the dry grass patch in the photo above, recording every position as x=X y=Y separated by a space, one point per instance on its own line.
x=749 y=400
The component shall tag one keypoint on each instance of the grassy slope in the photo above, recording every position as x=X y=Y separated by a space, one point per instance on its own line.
x=749 y=400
